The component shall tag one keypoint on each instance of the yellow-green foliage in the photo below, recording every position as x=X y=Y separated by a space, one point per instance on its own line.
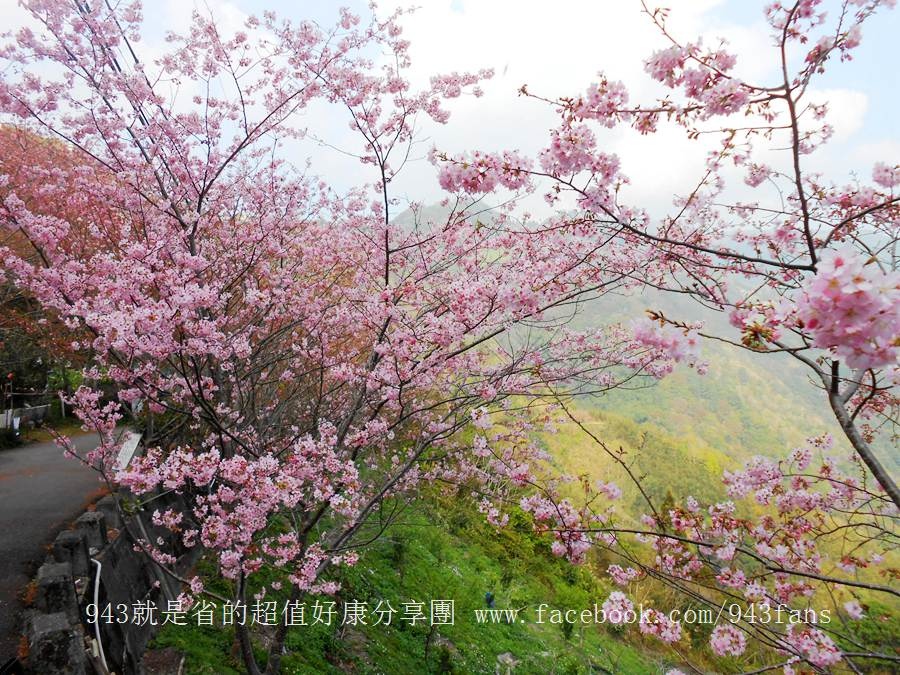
x=665 y=464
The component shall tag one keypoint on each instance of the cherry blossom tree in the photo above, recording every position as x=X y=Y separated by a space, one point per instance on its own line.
x=820 y=256
x=303 y=364
x=803 y=266
x=26 y=328
x=299 y=362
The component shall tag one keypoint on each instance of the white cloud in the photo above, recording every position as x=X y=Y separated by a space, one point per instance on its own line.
x=886 y=150
x=846 y=110
x=557 y=50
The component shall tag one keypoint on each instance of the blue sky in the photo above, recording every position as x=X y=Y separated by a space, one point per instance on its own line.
x=875 y=69
x=558 y=51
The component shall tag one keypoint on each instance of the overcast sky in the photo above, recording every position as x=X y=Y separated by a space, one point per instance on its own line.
x=557 y=48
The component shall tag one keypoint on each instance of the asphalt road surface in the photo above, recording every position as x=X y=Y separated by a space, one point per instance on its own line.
x=41 y=492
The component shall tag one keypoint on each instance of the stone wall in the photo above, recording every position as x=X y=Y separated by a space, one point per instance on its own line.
x=60 y=637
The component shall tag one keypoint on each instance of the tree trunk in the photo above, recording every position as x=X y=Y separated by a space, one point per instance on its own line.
x=862 y=449
x=277 y=647
x=243 y=635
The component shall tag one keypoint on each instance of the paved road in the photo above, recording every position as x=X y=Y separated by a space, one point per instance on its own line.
x=40 y=493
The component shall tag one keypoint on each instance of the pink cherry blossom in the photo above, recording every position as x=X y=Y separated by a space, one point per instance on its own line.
x=886 y=176
x=622 y=576
x=813 y=645
x=654 y=622
x=728 y=640
x=617 y=607
x=853 y=309
x=854 y=609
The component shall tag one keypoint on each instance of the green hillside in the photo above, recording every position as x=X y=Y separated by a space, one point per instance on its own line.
x=442 y=548
x=746 y=404
x=445 y=550
x=667 y=465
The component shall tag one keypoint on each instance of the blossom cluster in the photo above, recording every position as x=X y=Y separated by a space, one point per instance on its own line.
x=707 y=83
x=669 y=344
x=853 y=309
x=480 y=173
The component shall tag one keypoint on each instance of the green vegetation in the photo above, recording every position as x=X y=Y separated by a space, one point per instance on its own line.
x=446 y=551
x=746 y=404
x=690 y=468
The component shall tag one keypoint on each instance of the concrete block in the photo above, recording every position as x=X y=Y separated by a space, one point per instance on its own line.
x=93 y=524
x=107 y=506
x=71 y=546
x=56 y=591
x=54 y=648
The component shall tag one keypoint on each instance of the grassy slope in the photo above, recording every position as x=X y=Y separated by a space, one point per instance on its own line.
x=445 y=550
x=688 y=467
x=448 y=552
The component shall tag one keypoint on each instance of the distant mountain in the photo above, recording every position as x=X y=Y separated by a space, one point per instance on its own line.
x=746 y=404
